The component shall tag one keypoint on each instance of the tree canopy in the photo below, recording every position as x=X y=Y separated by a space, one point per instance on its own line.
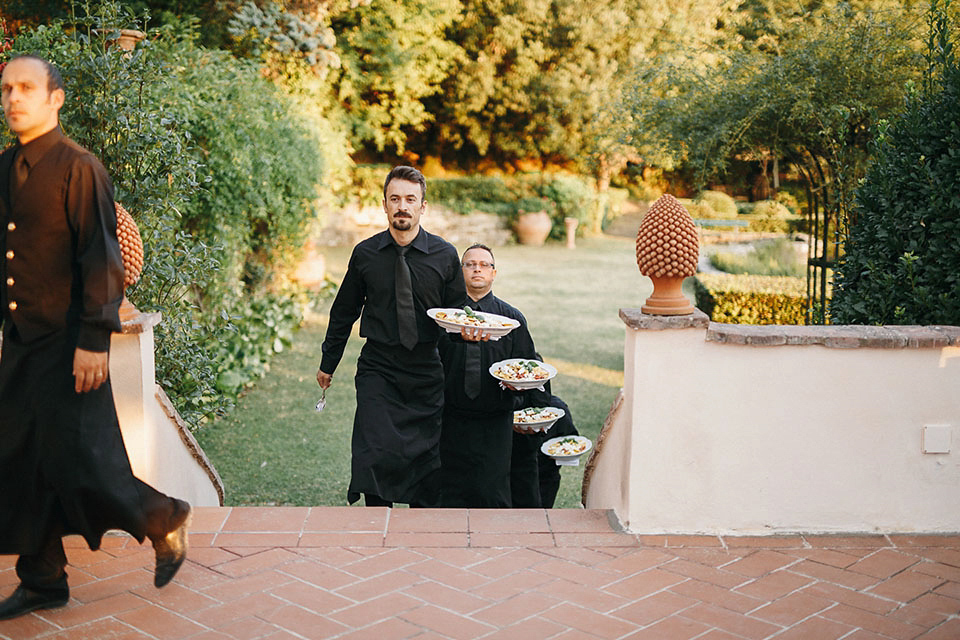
x=699 y=82
x=809 y=89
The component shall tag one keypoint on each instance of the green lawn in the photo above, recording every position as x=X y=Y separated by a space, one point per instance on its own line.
x=275 y=449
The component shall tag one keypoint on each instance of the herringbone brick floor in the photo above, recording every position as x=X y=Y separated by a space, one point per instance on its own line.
x=352 y=572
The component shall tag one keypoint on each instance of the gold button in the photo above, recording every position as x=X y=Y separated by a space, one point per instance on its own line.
x=10 y=254
x=13 y=305
x=9 y=282
x=11 y=226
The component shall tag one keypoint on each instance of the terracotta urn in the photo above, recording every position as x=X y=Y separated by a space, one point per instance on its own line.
x=532 y=227
x=129 y=38
x=667 y=251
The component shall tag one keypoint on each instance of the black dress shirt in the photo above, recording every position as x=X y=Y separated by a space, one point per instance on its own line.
x=61 y=265
x=368 y=292
x=516 y=344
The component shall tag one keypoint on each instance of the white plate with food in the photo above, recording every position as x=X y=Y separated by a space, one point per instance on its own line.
x=453 y=320
x=537 y=418
x=566 y=450
x=521 y=373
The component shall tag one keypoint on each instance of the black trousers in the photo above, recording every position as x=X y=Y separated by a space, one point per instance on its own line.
x=45 y=571
x=525 y=471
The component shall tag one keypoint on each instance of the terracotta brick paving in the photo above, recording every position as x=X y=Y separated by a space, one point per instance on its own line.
x=353 y=572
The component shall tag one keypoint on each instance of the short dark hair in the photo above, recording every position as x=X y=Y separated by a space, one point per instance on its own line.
x=54 y=80
x=479 y=245
x=408 y=174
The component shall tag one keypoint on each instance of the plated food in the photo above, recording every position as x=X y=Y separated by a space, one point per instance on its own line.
x=453 y=320
x=566 y=450
x=537 y=418
x=521 y=373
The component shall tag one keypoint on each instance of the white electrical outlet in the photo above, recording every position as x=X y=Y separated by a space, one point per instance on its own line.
x=936 y=438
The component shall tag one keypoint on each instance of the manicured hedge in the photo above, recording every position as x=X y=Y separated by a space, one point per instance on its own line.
x=748 y=299
x=560 y=195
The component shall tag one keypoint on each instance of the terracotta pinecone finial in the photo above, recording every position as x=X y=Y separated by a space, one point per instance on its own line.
x=667 y=244
x=131 y=246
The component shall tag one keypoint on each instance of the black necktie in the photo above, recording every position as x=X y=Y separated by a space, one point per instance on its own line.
x=19 y=174
x=406 y=316
x=471 y=370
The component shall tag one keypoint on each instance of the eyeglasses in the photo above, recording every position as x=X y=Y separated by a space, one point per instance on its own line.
x=478 y=265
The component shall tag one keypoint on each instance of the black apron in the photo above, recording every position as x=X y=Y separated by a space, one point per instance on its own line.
x=396 y=429
x=475 y=449
x=63 y=464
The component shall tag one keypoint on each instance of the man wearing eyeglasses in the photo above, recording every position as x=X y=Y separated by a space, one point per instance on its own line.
x=477 y=434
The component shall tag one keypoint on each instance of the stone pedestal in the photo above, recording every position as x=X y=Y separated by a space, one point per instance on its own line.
x=571 y=225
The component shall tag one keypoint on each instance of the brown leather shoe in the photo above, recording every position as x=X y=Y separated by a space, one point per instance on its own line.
x=171 y=549
x=22 y=601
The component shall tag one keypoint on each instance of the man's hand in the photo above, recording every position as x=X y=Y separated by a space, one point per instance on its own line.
x=474 y=334
x=527 y=431
x=324 y=379
x=90 y=369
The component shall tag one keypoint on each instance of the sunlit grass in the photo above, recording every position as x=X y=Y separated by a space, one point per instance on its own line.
x=276 y=449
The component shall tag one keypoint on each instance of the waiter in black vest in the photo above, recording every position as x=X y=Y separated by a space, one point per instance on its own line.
x=63 y=465
x=392 y=279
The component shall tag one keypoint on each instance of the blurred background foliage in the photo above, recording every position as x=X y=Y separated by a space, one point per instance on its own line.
x=236 y=123
x=221 y=176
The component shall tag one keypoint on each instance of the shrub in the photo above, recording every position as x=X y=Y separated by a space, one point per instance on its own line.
x=699 y=210
x=902 y=255
x=258 y=331
x=770 y=216
x=561 y=196
x=262 y=164
x=776 y=258
x=366 y=184
x=751 y=299
x=216 y=171
x=788 y=200
x=574 y=197
x=473 y=193
x=723 y=205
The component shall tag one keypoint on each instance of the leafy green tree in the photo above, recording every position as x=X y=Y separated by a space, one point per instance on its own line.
x=221 y=176
x=531 y=77
x=815 y=96
x=810 y=94
x=110 y=109
x=902 y=258
x=393 y=55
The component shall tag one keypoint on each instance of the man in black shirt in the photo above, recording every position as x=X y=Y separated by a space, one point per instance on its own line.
x=475 y=446
x=63 y=465
x=399 y=381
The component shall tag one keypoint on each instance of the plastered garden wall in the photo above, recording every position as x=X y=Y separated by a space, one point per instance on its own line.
x=162 y=451
x=737 y=429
